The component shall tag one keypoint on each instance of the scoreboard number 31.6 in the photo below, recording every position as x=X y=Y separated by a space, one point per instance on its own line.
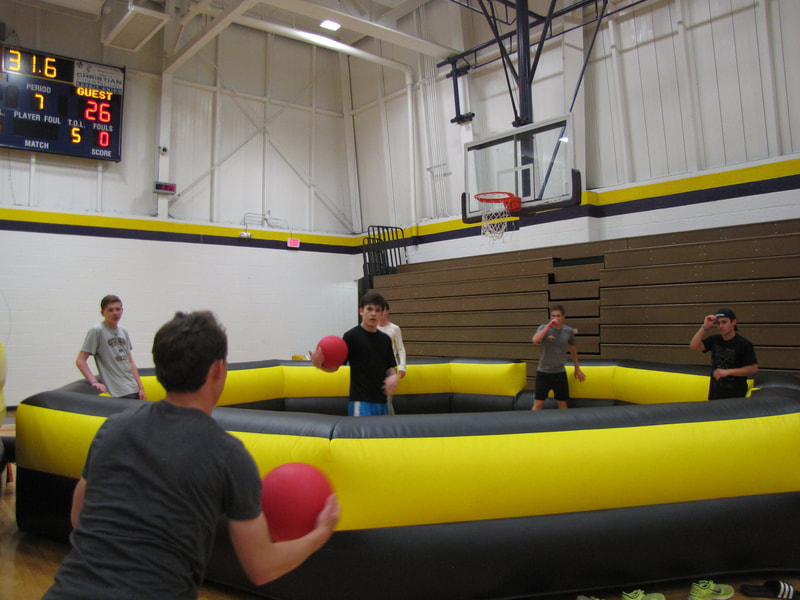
x=60 y=105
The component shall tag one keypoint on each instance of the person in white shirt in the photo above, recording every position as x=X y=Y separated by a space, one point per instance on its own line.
x=393 y=331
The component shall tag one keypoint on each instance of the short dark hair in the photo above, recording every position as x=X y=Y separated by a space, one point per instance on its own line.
x=372 y=298
x=559 y=308
x=185 y=348
x=110 y=299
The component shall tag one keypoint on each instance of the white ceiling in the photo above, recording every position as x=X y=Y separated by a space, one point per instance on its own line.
x=366 y=9
x=88 y=7
x=359 y=18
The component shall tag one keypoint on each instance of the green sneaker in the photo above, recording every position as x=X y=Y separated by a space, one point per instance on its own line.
x=708 y=590
x=640 y=595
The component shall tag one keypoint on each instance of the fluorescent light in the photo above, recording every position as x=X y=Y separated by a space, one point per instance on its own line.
x=328 y=24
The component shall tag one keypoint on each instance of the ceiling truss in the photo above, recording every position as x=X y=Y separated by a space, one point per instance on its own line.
x=527 y=24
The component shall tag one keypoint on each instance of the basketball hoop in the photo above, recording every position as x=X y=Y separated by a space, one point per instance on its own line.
x=496 y=208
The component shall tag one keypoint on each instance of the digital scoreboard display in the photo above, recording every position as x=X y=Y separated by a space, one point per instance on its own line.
x=60 y=105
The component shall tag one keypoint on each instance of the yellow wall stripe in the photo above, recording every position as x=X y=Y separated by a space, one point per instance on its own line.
x=27 y=215
x=653 y=190
x=700 y=182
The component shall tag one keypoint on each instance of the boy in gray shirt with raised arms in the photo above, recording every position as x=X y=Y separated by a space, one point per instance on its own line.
x=555 y=338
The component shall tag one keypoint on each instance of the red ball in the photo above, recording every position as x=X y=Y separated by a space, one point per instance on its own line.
x=292 y=495
x=334 y=349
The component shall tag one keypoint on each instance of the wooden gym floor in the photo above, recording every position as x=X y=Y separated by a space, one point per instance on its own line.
x=29 y=562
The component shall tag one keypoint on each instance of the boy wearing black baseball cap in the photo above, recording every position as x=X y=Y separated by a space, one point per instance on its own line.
x=733 y=358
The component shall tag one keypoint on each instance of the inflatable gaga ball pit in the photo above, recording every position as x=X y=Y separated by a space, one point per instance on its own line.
x=623 y=481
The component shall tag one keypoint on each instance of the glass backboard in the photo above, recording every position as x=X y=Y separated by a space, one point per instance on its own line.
x=532 y=162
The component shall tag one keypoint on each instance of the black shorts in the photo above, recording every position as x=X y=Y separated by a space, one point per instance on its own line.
x=557 y=382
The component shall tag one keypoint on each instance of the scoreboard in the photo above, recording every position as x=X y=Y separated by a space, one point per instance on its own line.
x=51 y=103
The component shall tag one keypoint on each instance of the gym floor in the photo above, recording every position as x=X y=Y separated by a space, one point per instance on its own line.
x=29 y=562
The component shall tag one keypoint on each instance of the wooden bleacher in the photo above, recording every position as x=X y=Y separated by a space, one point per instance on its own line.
x=640 y=297
x=651 y=297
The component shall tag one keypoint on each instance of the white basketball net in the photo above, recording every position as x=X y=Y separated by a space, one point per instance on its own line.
x=494 y=215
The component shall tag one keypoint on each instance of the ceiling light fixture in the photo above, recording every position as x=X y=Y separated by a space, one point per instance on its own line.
x=328 y=24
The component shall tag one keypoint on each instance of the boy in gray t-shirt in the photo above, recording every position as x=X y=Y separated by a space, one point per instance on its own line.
x=556 y=338
x=111 y=347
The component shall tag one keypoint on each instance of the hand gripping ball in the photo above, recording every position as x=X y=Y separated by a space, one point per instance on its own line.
x=334 y=349
x=292 y=495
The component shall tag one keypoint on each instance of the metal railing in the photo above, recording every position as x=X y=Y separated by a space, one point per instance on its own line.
x=384 y=250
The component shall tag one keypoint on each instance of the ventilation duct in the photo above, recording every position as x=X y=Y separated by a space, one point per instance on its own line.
x=129 y=25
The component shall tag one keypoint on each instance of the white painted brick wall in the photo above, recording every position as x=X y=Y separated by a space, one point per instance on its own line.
x=273 y=303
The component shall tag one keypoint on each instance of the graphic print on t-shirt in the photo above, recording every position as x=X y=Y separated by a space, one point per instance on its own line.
x=118 y=348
